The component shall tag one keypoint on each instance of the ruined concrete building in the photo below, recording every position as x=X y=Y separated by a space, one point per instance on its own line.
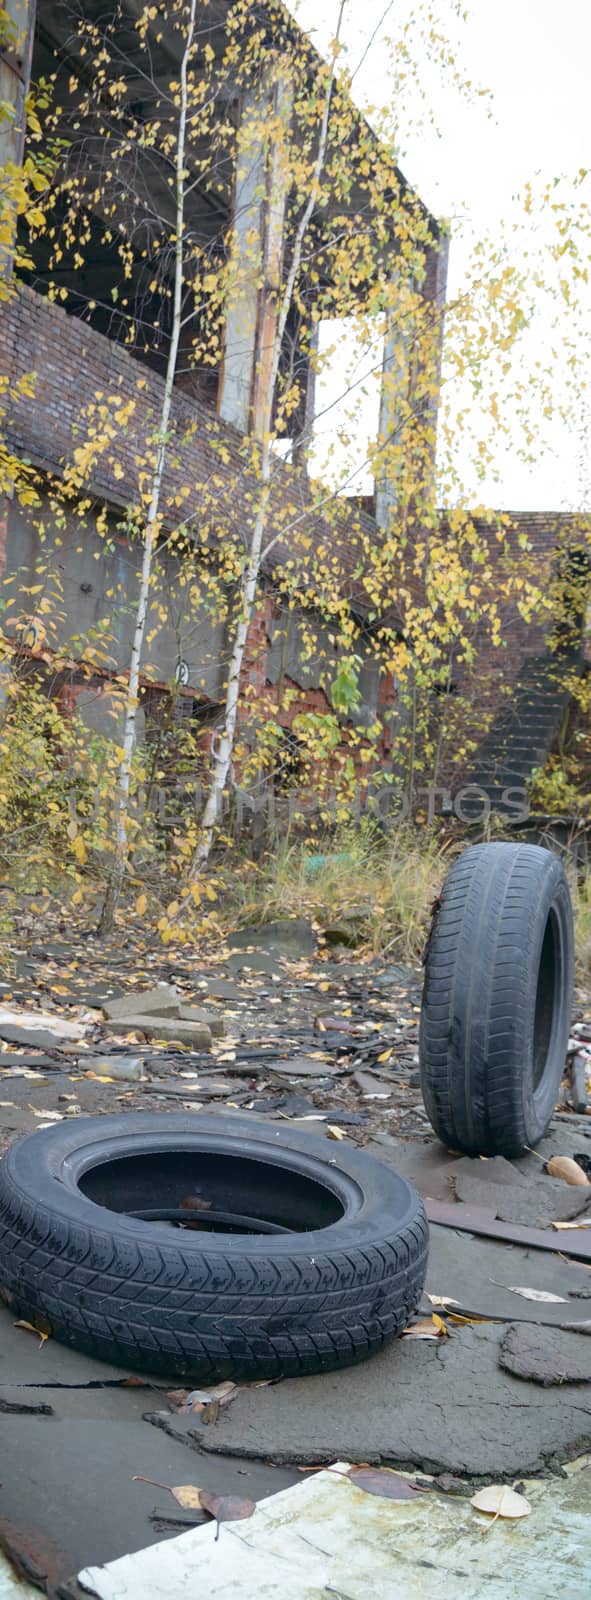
x=69 y=327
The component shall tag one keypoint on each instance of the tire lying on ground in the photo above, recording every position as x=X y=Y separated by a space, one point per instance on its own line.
x=497 y=999
x=294 y=1260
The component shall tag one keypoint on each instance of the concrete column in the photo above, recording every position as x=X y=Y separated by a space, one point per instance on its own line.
x=434 y=297
x=257 y=256
x=16 y=49
x=411 y=382
x=395 y=398
x=304 y=420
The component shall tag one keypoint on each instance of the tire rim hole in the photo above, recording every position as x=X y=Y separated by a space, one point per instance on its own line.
x=206 y=1192
x=547 y=996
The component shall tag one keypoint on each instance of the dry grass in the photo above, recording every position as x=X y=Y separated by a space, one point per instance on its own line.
x=582 y=908
x=382 y=890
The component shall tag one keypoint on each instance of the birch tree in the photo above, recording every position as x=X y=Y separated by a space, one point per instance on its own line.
x=151 y=528
x=222 y=755
x=138 y=144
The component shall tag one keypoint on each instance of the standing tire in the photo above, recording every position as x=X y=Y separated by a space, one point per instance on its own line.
x=497 y=999
x=301 y=1261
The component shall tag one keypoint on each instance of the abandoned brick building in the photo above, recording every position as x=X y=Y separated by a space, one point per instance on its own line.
x=75 y=344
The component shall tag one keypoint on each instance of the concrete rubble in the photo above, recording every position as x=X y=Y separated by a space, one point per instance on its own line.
x=316 y=1044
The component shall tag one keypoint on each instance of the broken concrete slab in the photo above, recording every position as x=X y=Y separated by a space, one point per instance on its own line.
x=546 y=1355
x=485 y=1224
x=520 y=1194
x=289 y=936
x=536 y=1205
x=255 y=961
x=226 y=989
x=326 y=1537
x=171 y=1029
x=477 y=1273
x=208 y=1018
x=303 y=1067
x=47 y=1039
x=190 y=1088
x=163 y=1000
x=494 y=1169
x=412 y=1403
x=66 y=1468
x=43 y=1030
x=11 y=1061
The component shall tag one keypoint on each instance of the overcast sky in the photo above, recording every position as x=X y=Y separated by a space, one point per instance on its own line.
x=535 y=57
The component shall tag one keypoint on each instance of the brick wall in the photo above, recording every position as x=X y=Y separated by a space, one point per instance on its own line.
x=73 y=363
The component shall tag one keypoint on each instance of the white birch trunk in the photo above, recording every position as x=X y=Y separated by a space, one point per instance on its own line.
x=151 y=525
x=222 y=756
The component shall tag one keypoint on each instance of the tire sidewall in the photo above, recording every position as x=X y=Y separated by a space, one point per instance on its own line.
x=44 y=1166
x=538 y=1101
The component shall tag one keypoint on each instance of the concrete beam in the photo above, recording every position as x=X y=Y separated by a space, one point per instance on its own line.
x=16 y=48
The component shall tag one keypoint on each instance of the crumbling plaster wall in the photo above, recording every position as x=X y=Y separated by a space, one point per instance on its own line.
x=92 y=584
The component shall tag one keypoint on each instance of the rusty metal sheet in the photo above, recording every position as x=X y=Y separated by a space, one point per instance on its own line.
x=30 y=1556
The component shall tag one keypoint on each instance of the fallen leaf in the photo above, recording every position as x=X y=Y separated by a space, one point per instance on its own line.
x=442 y=1300
x=43 y=1331
x=542 y=1295
x=379 y=1481
x=200 y=1400
x=499 y=1500
x=188 y=1495
x=564 y=1167
x=426 y=1328
x=334 y=1132
x=583 y=1223
x=463 y=1321
x=226 y=1507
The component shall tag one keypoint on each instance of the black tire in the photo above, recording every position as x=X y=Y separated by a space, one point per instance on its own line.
x=208 y=1305
x=497 y=999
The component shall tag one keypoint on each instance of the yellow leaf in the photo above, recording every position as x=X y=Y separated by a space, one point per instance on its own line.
x=141 y=904
x=187 y=1495
x=44 y=1330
